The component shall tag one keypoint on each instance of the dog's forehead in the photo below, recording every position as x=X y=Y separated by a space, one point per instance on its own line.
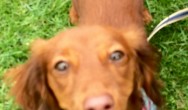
x=86 y=37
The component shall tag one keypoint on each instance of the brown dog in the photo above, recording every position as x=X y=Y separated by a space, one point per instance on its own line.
x=92 y=67
x=116 y=13
x=88 y=68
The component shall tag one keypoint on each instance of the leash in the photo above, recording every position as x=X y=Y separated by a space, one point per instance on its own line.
x=175 y=17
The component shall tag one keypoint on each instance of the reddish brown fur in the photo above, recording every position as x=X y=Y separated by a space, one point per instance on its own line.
x=38 y=86
x=119 y=14
x=116 y=13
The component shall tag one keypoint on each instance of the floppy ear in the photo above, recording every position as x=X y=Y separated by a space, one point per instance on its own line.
x=147 y=60
x=30 y=87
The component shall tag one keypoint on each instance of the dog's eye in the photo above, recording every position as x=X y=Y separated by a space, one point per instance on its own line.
x=116 y=55
x=61 y=66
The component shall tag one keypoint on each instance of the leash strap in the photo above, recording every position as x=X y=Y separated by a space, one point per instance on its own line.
x=177 y=16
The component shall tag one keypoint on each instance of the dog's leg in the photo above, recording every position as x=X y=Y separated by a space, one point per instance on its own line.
x=146 y=16
x=73 y=15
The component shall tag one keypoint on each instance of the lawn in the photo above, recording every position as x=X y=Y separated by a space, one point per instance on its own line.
x=22 y=21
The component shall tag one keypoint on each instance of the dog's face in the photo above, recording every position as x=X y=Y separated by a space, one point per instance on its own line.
x=91 y=63
x=88 y=63
x=89 y=68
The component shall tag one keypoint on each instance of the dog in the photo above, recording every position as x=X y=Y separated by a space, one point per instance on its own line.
x=105 y=63
x=88 y=68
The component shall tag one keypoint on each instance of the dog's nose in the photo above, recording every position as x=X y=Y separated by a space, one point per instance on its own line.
x=102 y=102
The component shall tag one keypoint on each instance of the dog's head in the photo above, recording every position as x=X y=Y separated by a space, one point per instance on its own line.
x=88 y=68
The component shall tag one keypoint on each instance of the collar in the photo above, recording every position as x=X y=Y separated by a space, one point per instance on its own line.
x=148 y=103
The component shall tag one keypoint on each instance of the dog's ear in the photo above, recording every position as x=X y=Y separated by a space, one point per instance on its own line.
x=29 y=79
x=147 y=60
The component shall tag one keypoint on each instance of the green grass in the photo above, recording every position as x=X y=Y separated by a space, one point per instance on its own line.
x=22 y=21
